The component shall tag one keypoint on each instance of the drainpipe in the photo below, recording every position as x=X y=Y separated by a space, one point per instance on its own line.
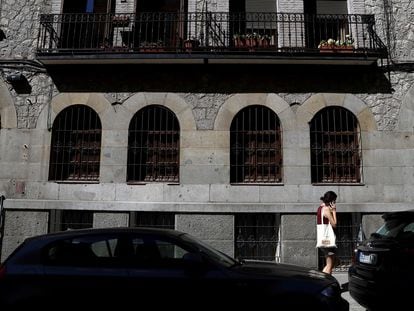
x=2 y=198
x=2 y=35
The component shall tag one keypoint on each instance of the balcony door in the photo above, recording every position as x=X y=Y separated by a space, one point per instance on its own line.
x=160 y=5
x=160 y=22
x=253 y=16
x=323 y=21
x=86 y=23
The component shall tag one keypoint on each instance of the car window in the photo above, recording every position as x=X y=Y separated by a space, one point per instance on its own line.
x=158 y=251
x=212 y=253
x=397 y=228
x=105 y=248
x=409 y=227
x=82 y=251
x=407 y=231
x=170 y=250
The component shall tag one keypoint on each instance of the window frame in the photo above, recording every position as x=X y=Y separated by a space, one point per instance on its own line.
x=335 y=147
x=153 y=153
x=75 y=148
x=255 y=151
x=256 y=226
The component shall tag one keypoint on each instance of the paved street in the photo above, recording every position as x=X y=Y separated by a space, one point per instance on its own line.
x=342 y=278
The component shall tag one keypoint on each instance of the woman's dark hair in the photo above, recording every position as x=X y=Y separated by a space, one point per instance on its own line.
x=329 y=197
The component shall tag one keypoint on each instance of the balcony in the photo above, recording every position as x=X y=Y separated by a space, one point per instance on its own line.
x=206 y=37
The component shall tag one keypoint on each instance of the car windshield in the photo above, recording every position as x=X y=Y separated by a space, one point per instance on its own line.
x=394 y=228
x=213 y=254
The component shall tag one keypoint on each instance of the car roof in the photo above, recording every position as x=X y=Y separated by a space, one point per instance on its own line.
x=399 y=214
x=115 y=230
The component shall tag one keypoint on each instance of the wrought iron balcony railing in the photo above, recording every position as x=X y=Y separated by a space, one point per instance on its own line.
x=208 y=33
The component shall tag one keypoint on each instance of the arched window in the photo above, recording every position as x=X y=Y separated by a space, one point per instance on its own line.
x=153 y=146
x=76 y=145
x=335 y=146
x=256 y=151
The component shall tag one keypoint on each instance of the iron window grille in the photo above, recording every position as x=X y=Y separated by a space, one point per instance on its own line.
x=61 y=220
x=256 y=151
x=153 y=146
x=76 y=145
x=163 y=220
x=335 y=147
x=256 y=236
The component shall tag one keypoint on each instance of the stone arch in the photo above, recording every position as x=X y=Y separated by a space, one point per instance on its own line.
x=237 y=102
x=315 y=103
x=7 y=110
x=96 y=101
x=406 y=116
x=176 y=104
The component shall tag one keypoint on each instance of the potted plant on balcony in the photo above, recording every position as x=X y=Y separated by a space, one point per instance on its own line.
x=151 y=47
x=251 y=41
x=190 y=44
x=338 y=46
x=265 y=41
x=239 y=40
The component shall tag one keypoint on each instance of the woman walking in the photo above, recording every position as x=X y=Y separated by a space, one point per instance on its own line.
x=326 y=213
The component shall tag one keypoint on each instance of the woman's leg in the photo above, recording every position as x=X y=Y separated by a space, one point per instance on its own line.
x=330 y=262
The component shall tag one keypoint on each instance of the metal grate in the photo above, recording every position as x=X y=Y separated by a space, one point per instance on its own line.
x=256 y=236
x=61 y=220
x=348 y=233
x=76 y=145
x=206 y=32
x=153 y=146
x=163 y=220
x=255 y=139
x=335 y=147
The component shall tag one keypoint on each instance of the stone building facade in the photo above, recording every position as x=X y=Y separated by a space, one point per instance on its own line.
x=205 y=99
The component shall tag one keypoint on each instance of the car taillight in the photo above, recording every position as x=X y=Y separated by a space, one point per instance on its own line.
x=354 y=256
x=408 y=252
x=2 y=272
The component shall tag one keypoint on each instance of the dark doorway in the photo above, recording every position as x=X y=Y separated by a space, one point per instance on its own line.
x=160 y=23
x=309 y=8
x=237 y=5
x=160 y=5
x=323 y=23
x=237 y=18
x=74 y=6
x=86 y=23
x=88 y=6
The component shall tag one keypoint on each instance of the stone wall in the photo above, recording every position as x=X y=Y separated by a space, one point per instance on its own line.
x=21 y=32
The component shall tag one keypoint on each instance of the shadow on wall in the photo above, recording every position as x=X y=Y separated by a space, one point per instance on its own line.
x=220 y=78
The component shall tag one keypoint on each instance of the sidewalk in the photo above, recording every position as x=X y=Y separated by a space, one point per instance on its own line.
x=342 y=278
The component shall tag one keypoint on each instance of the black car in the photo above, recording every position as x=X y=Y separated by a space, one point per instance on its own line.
x=153 y=267
x=383 y=273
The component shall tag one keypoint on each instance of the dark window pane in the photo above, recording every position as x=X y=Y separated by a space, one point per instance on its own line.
x=256 y=151
x=76 y=145
x=335 y=147
x=61 y=220
x=256 y=236
x=153 y=219
x=153 y=146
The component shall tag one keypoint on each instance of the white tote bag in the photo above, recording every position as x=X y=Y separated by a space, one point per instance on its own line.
x=325 y=236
